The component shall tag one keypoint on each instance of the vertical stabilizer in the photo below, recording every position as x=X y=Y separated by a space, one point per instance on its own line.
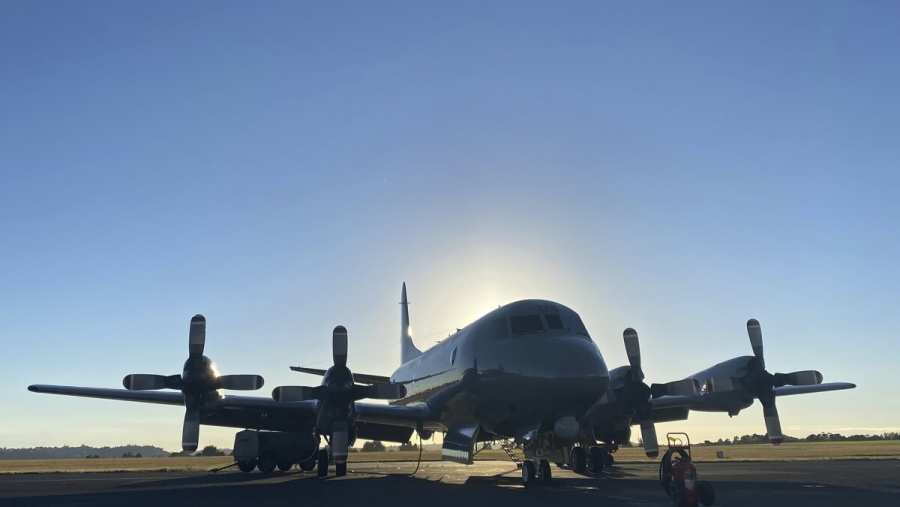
x=408 y=350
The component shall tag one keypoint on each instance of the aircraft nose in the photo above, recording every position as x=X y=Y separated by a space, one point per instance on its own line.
x=555 y=357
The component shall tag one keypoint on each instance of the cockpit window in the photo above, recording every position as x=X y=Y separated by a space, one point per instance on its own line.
x=498 y=329
x=522 y=324
x=553 y=321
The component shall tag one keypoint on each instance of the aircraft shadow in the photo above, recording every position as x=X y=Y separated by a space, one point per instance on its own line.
x=400 y=489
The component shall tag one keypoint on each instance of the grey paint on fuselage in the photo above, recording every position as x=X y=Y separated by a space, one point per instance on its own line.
x=488 y=374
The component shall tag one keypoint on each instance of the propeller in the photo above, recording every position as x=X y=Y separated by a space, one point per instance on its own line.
x=336 y=395
x=198 y=382
x=635 y=394
x=761 y=384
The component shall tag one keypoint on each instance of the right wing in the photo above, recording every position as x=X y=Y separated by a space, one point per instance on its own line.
x=230 y=411
x=362 y=378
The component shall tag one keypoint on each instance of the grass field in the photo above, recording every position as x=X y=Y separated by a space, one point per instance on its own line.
x=797 y=451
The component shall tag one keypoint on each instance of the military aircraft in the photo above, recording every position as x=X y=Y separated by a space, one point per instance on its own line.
x=527 y=372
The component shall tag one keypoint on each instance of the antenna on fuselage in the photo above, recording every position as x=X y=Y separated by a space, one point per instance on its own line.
x=408 y=350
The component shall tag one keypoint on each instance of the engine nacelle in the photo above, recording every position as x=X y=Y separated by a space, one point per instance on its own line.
x=566 y=429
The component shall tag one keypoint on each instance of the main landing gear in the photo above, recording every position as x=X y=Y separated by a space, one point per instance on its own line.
x=532 y=474
x=321 y=465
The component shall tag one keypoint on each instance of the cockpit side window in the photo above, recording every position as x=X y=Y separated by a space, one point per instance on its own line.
x=497 y=329
x=553 y=321
x=522 y=324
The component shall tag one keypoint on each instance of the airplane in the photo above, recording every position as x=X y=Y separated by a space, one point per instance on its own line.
x=527 y=372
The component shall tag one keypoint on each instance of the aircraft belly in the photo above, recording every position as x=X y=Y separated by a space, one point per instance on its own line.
x=507 y=403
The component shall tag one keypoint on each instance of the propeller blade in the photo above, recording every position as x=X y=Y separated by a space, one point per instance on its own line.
x=339 y=441
x=241 y=382
x=773 y=423
x=295 y=393
x=798 y=378
x=648 y=435
x=197 y=337
x=633 y=349
x=756 y=341
x=684 y=387
x=190 y=434
x=339 y=346
x=147 y=382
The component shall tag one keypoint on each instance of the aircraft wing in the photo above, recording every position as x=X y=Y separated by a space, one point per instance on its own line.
x=161 y=397
x=703 y=400
x=230 y=411
x=362 y=378
x=818 y=388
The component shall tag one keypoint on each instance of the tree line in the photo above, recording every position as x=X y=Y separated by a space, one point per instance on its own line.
x=814 y=437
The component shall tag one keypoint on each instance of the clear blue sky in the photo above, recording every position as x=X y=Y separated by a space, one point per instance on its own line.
x=283 y=167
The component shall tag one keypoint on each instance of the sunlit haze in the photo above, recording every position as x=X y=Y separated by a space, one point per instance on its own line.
x=284 y=167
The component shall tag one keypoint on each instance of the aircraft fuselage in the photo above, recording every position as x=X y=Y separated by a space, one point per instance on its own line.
x=525 y=364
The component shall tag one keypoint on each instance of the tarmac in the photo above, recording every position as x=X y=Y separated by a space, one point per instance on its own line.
x=435 y=484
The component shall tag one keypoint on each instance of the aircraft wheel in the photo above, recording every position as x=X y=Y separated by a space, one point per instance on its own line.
x=544 y=471
x=707 y=493
x=340 y=469
x=608 y=459
x=577 y=460
x=322 y=463
x=266 y=462
x=528 y=472
x=309 y=464
x=247 y=466
x=284 y=466
x=597 y=460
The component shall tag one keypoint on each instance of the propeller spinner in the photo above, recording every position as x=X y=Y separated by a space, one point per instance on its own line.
x=198 y=383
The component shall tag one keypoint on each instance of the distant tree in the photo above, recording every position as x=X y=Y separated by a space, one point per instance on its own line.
x=406 y=446
x=211 y=450
x=373 y=446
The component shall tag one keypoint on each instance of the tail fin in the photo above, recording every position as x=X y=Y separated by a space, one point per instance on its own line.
x=408 y=350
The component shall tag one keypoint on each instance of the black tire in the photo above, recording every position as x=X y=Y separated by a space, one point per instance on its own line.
x=577 y=460
x=284 y=466
x=246 y=466
x=528 y=473
x=340 y=469
x=608 y=459
x=309 y=464
x=544 y=471
x=267 y=462
x=707 y=493
x=597 y=460
x=322 y=463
